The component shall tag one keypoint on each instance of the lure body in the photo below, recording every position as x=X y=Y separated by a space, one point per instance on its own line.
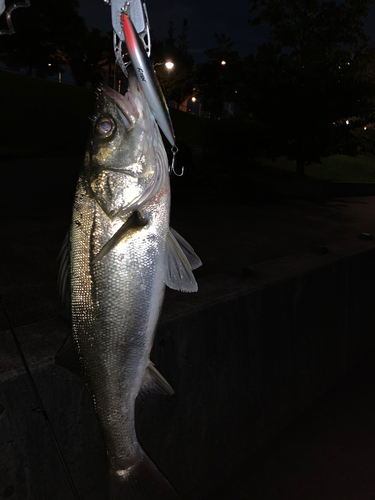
x=147 y=79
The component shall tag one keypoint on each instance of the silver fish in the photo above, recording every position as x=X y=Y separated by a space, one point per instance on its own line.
x=123 y=253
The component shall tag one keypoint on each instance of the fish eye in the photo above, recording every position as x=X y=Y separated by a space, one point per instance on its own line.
x=104 y=126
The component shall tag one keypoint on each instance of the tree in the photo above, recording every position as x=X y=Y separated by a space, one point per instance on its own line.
x=184 y=44
x=177 y=83
x=218 y=82
x=311 y=78
x=44 y=33
x=89 y=58
x=51 y=35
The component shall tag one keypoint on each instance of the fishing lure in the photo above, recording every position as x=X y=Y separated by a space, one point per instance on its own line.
x=131 y=27
x=146 y=77
x=8 y=15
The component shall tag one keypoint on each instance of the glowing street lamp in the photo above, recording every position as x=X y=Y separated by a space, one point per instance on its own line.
x=194 y=99
x=49 y=65
x=169 y=65
x=223 y=63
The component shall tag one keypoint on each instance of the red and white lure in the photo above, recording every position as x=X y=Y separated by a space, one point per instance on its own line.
x=131 y=27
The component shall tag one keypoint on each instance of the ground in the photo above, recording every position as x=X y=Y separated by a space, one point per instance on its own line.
x=329 y=453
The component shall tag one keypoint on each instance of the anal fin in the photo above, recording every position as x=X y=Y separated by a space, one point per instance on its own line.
x=67 y=357
x=154 y=382
x=64 y=272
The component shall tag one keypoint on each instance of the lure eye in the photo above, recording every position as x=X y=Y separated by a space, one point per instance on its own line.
x=104 y=127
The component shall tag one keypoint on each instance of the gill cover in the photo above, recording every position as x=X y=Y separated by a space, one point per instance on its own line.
x=120 y=164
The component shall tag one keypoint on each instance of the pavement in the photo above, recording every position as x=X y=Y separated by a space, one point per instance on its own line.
x=329 y=453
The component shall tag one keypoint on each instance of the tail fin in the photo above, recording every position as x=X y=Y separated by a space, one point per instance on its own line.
x=142 y=481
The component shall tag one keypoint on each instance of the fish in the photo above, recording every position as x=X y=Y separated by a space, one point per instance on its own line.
x=122 y=255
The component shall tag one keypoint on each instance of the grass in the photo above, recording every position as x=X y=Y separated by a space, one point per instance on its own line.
x=41 y=117
x=188 y=128
x=45 y=118
x=340 y=168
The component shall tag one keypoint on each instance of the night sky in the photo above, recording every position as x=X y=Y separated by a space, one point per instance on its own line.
x=205 y=18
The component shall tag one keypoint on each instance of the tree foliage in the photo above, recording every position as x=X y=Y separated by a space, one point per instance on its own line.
x=89 y=57
x=50 y=35
x=310 y=78
x=178 y=82
x=44 y=31
x=217 y=83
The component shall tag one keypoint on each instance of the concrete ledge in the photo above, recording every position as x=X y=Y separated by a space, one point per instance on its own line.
x=244 y=355
x=308 y=188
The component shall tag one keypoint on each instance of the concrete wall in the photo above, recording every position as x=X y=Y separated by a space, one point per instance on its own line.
x=245 y=356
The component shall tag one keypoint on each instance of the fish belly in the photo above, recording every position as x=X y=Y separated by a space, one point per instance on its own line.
x=115 y=307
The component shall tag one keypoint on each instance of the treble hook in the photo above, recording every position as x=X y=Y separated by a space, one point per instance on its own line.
x=174 y=150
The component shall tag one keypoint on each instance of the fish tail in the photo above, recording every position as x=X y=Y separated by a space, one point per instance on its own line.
x=142 y=481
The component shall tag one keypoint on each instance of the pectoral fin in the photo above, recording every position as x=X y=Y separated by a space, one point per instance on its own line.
x=135 y=222
x=154 y=382
x=179 y=275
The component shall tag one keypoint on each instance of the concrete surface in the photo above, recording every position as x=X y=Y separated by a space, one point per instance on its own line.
x=275 y=324
x=35 y=204
x=328 y=454
x=245 y=356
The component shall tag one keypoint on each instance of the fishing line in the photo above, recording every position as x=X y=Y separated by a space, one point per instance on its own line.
x=114 y=73
x=40 y=409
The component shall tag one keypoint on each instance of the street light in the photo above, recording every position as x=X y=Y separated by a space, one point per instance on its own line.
x=194 y=99
x=167 y=64
x=223 y=63
x=49 y=65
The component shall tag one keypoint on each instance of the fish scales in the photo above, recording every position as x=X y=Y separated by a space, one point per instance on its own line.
x=122 y=255
x=124 y=318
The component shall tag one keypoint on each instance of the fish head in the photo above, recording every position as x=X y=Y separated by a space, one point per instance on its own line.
x=122 y=161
